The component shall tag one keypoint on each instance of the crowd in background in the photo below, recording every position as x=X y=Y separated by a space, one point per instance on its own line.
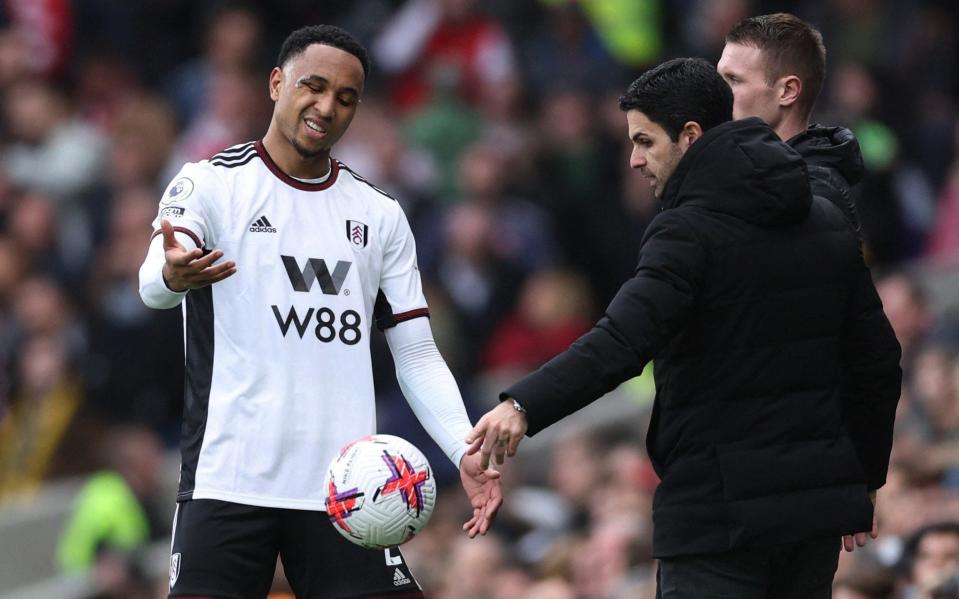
x=495 y=125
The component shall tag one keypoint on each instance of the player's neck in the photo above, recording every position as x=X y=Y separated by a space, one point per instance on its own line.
x=292 y=162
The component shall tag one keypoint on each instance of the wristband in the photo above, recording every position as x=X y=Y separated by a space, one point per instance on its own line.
x=518 y=406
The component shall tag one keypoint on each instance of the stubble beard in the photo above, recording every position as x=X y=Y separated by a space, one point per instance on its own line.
x=305 y=152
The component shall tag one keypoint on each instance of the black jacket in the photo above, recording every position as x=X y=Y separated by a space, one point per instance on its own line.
x=777 y=374
x=834 y=161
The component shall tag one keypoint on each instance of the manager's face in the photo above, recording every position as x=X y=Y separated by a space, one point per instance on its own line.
x=654 y=152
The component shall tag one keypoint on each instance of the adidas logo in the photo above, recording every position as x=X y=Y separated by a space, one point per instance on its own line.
x=262 y=225
x=399 y=578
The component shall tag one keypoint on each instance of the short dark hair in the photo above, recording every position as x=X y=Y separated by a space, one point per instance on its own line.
x=790 y=46
x=327 y=35
x=678 y=91
x=911 y=548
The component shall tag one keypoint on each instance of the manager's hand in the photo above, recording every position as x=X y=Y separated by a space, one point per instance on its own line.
x=497 y=434
x=849 y=542
x=190 y=269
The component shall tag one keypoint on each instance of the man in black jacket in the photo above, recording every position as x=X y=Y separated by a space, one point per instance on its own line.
x=777 y=373
x=775 y=65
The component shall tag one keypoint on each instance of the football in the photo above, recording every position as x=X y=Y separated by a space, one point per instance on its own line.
x=380 y=491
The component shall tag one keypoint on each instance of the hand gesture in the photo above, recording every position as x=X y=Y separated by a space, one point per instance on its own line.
x=191 y=269
x=484 y=491
x=860 y=537
x=498 y=433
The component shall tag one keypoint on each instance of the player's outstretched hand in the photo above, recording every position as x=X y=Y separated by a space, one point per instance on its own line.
x=483 y=488
x=190 y=269
x=497 y=433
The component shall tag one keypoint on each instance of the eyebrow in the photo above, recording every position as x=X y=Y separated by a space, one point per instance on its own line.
x=636 y=136
x=323 y=80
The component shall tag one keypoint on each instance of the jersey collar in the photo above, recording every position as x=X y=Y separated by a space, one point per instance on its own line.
x=268 y=161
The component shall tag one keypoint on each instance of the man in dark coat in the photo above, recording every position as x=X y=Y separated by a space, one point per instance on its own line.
x=777 y=373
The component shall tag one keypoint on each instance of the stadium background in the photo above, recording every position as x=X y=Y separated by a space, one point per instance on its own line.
x=495 y=125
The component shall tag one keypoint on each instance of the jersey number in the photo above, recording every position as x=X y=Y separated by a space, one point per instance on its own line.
x=326 y=329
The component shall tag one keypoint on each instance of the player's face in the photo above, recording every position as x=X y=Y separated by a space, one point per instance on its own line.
x=316 y=95
x=743 y=69
x=654 y=153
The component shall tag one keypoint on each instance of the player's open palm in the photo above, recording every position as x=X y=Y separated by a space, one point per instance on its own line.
x=190 y=269
x=484 y=490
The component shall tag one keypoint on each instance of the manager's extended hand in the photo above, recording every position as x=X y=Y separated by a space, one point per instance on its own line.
x=190 y=269
x=497 y=433
x=483 y=487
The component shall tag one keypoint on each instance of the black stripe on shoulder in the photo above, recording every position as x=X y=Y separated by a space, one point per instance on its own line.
x=362 y=180
x=234 y=151
x=236 y=162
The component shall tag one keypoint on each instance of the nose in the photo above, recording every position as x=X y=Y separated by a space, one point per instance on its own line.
x=637 y=159
x=325 y=105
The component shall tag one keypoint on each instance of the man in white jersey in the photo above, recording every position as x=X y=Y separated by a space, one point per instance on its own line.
x=278 y=364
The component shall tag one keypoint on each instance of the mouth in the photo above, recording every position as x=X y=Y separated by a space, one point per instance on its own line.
x=314 y=129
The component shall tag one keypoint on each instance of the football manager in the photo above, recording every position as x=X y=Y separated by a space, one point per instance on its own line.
x=777 y=373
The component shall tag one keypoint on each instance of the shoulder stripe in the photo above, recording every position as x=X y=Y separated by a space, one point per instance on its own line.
x=234 y=151
x=234 y=162
x=362 y=180
x=231 y=157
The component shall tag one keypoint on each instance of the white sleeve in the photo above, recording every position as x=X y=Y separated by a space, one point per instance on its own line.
x=400 y=296
x=429 y=386
x=153 y=288
x=186 y=204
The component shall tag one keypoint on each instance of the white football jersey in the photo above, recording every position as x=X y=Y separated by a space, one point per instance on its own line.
x=278 y=367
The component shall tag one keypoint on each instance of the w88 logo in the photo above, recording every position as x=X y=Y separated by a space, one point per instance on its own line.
x=328 y=327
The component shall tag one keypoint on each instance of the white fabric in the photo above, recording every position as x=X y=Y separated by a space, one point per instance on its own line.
x=291 y=378
x=429 y=386
x=153 y=290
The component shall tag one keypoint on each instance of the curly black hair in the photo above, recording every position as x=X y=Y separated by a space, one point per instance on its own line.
x=327 y=35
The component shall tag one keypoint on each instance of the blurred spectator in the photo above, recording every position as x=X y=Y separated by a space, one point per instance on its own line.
x=231 y=45
x=14 y=57
x=34 y=433
x=904 y=303
x=943 y=243
x=931 y=554
x=566 y=53
x=896 y=203
x=553 y=311
x=111 y=512
x=480 y=284
x=866 y=579
x=234 y=111
x=453 y=39
x=53 y=152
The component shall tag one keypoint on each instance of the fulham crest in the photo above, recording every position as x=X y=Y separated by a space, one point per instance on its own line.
x=357 y=233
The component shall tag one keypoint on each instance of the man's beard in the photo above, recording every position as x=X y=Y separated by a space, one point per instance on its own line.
x=303 y=152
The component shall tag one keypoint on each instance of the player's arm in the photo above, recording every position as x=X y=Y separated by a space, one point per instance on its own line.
x=429 y=386
x=431 y=390
x=177 y=260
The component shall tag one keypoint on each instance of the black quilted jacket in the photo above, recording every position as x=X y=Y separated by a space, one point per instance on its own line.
x=776 y=370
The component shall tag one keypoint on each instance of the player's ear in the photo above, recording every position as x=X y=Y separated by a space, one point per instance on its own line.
x=276 y=79
x=790 y=90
